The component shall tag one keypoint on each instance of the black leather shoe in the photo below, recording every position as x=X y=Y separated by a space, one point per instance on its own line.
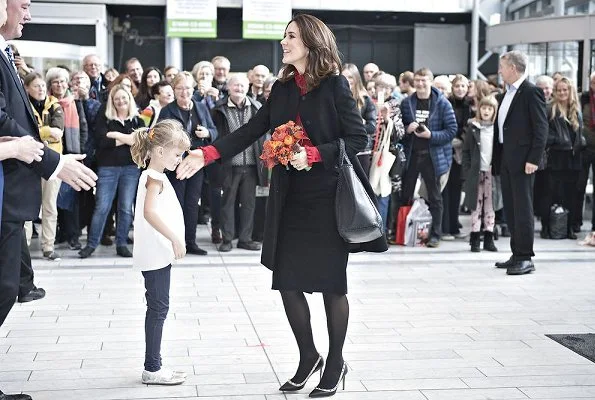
x=14 y=396
x=86 y=252
x=123 y=251
x=254 y=246
x=572 y=235
x=225 y=246
x=505 y=264
x=216 y=236
x=74 y=244
x=106 y=241
x=521 y=268
x=192 y=248
x=34 y=294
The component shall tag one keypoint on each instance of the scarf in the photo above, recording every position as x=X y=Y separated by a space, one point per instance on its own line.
x=592 y=103
x=72 y=125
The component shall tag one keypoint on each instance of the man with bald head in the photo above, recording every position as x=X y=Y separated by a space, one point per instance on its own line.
x=259 y=74
x=93 y=67
x=369 y=70
x=243 y=172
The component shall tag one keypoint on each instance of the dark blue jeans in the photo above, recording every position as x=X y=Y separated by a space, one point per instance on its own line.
x=157 y=295
x=112 y=180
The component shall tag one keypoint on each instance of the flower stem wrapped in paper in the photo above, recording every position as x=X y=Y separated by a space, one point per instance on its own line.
x=285 y=141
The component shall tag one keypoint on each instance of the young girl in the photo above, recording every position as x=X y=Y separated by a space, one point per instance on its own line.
x=477 y=167
x=158 y=234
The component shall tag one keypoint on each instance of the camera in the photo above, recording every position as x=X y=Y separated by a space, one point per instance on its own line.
x=420 y=128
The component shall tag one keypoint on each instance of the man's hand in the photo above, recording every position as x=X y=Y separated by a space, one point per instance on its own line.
x=213 y=92
x=530 y=168
x=412 y=127
x=56 y=133
x=425 y=134
x=76 y=174
x=191 y=164
x=25 y=148
x=202 y=132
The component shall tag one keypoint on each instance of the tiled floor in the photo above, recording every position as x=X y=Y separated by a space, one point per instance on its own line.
x=426 y=324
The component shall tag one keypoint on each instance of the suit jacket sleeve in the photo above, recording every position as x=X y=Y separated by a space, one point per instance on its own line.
x=540 y=125
x=351 y=125
x=9 y=127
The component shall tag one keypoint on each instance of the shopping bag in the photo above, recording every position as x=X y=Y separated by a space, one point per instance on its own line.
x=418 y=216
x=558 y=222
x=402 y=224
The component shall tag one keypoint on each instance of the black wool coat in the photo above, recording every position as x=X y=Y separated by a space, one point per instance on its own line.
x=328 y=113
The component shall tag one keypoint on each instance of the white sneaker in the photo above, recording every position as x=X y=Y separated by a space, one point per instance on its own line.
x=448 y=237
x=164 y=376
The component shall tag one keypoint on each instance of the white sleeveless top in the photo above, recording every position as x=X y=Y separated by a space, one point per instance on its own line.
x=151 y=249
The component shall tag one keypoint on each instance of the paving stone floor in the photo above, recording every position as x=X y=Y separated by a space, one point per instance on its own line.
x=426 y=324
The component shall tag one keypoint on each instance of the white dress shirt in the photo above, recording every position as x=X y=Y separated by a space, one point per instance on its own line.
x=505 y=106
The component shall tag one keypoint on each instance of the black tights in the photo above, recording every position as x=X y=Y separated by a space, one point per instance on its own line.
x=337 y=317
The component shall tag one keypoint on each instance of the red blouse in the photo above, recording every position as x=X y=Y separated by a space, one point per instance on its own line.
x=211 y=153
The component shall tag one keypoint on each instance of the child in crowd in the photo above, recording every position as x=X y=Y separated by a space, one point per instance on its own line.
x=477 y=167
x=158 y=234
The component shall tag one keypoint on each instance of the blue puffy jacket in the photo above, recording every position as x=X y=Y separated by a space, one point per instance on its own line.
x=443 y=125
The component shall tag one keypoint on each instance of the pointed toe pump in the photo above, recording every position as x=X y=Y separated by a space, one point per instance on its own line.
x=291 y=386
x=322 y=392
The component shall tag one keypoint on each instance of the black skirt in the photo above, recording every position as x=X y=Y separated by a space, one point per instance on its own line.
x=310 y=254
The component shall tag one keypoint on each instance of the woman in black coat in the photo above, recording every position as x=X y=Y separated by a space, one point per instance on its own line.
x=301 y=243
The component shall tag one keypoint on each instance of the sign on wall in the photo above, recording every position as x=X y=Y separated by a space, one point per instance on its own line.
x=192 y=18
x=265 y=19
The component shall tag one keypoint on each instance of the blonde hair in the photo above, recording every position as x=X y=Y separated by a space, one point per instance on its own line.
x=167 y=133
x=110 y=109
x=184 y=76
x=487 y=101
x=569 y=112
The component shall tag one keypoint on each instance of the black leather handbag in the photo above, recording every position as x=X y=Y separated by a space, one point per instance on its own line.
x=358 y=219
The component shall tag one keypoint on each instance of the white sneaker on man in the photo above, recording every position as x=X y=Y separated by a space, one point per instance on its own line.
x=164 y=376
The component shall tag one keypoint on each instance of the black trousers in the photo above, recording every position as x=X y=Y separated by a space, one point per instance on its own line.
x=240 y=185
x=188 y=192
x=562 y=190
x=517 y=193
x=421 y=163
x=588 y=158
x=451 y=199
x=26 y=279
x=11 y=247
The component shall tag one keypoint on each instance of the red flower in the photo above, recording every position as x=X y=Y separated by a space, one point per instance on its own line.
x=283 y=143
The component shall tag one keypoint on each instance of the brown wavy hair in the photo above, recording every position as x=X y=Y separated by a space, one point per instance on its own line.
x=323 y=55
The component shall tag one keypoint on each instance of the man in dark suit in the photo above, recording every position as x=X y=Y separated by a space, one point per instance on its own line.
x=22 y=183
x=520 y=135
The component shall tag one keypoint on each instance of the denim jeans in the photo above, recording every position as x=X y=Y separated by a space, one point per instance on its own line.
x=383 y=203
x=157 y=295
x=112 y=180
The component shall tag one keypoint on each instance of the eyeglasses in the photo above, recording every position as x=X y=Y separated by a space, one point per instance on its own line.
x=58 y=82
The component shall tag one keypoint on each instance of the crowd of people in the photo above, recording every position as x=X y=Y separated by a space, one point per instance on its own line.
x=84 y=111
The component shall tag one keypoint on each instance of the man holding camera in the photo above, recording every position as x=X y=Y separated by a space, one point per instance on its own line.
x=431 y=126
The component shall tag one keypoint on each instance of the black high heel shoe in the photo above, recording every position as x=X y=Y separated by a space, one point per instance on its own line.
x=291 y=386
x=321 y=392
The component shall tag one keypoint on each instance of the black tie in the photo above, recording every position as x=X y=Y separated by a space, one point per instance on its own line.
x=10 y=55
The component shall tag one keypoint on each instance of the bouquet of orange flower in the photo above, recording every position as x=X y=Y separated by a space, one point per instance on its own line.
x=284 y=143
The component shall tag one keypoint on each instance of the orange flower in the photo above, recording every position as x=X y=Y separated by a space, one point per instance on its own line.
x=288 y=140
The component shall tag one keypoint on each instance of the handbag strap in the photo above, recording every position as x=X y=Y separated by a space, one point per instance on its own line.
x=343 y=159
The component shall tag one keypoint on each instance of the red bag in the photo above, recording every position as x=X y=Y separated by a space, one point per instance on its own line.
x=402 y=224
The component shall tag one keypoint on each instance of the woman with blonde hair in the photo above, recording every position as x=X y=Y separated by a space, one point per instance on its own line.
x=117 y=171
x=302 y=245
x=564 y=144
x=367 y=110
